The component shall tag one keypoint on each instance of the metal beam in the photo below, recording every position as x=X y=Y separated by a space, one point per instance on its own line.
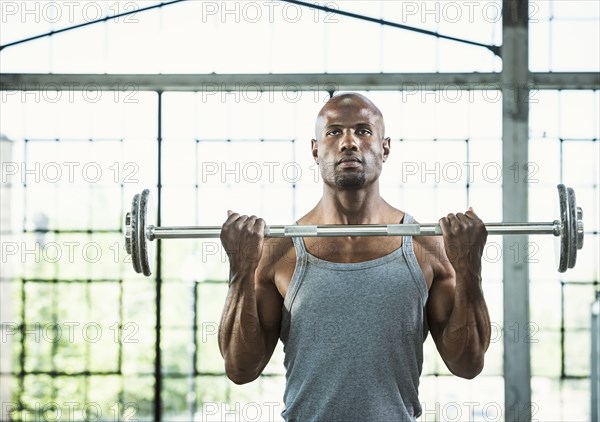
x=291 y=82
x=570 y=80
x=515 y=137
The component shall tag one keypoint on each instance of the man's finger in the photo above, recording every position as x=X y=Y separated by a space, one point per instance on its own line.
x=471 y=213
x=231 y=216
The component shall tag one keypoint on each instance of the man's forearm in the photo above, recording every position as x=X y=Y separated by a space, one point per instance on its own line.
x=240 y=335
x=466 y=336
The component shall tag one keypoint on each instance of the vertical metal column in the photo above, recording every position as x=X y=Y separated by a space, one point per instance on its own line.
x=157 y=349
x=595 y=356
x=7 y=282
x=515 y=127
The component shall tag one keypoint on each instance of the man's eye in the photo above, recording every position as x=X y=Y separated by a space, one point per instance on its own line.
x=333 y=133
x=363 y=131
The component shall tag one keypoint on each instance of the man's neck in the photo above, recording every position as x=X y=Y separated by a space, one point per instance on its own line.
x=351 y=206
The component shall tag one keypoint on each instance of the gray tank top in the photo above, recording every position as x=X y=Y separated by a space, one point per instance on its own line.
x=353 y=337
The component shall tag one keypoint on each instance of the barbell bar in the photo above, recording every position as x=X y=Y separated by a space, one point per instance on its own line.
x=140 y=233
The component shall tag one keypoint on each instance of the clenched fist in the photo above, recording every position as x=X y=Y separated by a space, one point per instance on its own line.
x=464 y=239
x=243 y=239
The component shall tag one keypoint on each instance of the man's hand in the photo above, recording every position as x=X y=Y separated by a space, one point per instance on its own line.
x=464 y=239
x=251 y=319
x=243 y=239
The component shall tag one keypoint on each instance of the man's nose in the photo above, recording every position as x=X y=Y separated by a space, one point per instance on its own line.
x=348 y=141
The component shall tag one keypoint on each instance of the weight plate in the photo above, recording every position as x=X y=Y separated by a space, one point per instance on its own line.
x=145 y=254
x=564 y=228
x=150 y=222
x=134 y=222
x=128 y=232
x=572 y=233
x=580 y=231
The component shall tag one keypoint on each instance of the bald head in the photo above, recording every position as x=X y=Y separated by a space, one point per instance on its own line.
x=344 y=104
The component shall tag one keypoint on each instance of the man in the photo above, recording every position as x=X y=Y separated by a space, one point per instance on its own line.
x=353 y=312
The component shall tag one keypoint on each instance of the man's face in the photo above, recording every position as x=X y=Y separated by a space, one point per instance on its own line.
x=350 y=148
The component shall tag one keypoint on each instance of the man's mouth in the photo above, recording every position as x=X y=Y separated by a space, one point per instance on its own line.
x=349 y=163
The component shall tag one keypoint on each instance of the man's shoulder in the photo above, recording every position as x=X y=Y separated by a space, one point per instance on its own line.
x=431 y=254
x=275 y=249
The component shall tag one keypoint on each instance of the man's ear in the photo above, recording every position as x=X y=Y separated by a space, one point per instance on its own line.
x=314 y=147
x=386 y=148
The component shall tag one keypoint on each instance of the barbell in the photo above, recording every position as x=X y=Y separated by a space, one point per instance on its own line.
x=140 y=231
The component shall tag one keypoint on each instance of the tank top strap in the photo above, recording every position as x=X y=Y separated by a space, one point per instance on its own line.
x=299 y=245
x=407 y=241
x=411 y=259
x=299 y=270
